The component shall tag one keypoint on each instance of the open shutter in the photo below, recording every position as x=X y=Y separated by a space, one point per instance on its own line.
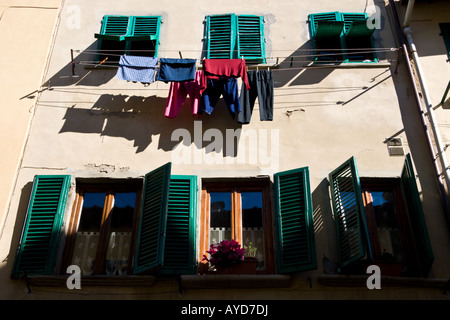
x=353 y=18
x=349 y=217
x=250 y=38
x=145 y=28
x=445 y=33
x=40 y=235
x=152 y=221
x=220 y=36
x=179 y=250
x=416 y=215
x=295 y=228
x=113 y=28
x=323 y=18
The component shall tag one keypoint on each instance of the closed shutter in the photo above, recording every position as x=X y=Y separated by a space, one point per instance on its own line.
x=113 y=28
x=221 y=36
x=295 y=227
x=417 y=218
x=179 y=251
x=250 y=32
x=40 y=236
x=152 y=221
x=349 y=217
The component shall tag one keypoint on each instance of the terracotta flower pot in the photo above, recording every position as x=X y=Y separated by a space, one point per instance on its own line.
x=248 y=266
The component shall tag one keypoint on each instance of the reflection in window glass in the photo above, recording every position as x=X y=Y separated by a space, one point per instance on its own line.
x=88 y=231
x=220 y=217
x=252 y=225
x=387 y=226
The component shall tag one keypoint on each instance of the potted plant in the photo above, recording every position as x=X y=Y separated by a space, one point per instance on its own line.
x=227 y=257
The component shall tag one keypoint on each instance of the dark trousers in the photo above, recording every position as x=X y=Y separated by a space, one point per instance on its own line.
x=228 y=88
x=261 y=86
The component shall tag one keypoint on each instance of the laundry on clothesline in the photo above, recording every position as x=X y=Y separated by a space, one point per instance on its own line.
x=215 y=69
x=178 y=93
x=137 y=68
x=176 y=70
x=261 y=86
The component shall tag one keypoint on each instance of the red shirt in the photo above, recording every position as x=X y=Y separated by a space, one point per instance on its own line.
x=219 y=68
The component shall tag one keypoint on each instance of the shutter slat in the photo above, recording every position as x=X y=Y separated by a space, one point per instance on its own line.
x=349 y=217
x=153 y=219
x=416 y=215
x=250 y=33
x=296 y=247
x=180 y=253
x=40 y=237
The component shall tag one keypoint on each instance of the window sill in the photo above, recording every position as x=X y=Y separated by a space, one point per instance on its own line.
x=93 y=281
x=386 y=281
x=235 y=281
x=349 y=65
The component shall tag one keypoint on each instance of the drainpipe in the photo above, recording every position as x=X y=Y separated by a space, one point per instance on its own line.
x=408 y=13
x=431 y=148
x=437 y=135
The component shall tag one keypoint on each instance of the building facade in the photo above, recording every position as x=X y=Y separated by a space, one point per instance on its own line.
x=301 y=138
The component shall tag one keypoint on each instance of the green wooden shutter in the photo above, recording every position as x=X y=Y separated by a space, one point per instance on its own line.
x=315 y=18
x=445 y=33
x=152 y=221
x=294 y=219
x=350 y=18
x=180 y=245
x=349 y=216
x=36 y=253
x=416 y=215
x=250 y=38
x=220 y=36
x=146 y=27
x=114 y=28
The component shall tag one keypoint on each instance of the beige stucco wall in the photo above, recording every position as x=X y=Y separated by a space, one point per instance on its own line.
x=26 y=28
x=95 y=125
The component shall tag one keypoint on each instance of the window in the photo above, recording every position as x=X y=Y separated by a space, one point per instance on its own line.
x=240 y=209
x=150 y=226
x=445 y=33
x=100 y=233
x=115 y=229
x=380 y=220
x=341 y=37
x=232 y=36
x=132 y=35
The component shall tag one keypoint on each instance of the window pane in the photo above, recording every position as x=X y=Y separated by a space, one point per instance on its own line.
x=387 y=226
x=220 y=217
x=120 y=233
x=88 y=231
x=252 y=225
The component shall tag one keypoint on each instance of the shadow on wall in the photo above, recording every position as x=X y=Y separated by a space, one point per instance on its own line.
x=138 y=119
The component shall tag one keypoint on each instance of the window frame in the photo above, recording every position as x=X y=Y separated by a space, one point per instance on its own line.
x=407 y=242
x=110 y=189
x=230 y=37
x=235 y=186
x=127 y=37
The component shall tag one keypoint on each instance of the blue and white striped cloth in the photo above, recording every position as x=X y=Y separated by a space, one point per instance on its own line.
x=137 y=68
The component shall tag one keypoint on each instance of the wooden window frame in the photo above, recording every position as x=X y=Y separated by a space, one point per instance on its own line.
x=235 y=186
x=109 y=189
x=394 y=185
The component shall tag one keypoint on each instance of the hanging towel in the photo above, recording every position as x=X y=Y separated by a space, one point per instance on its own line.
x=176 y=70
x=137 y=68
x=178 y=93
x=261 y=86
x=214 y=69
